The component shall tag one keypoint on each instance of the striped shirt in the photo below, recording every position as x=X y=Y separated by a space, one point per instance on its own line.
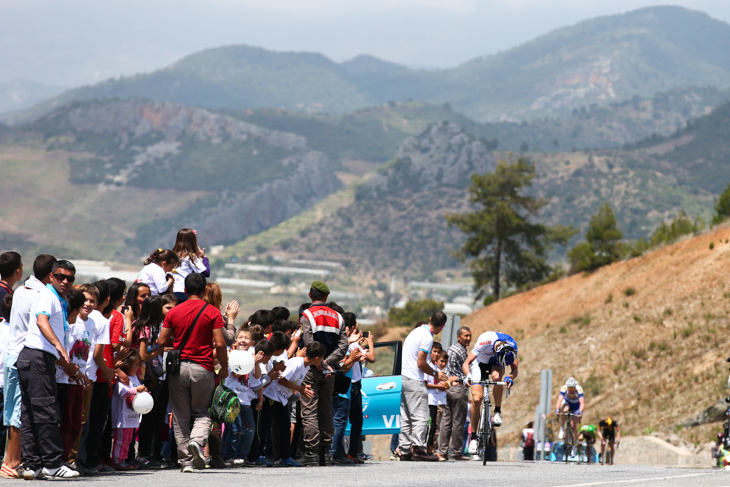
x=457 y=357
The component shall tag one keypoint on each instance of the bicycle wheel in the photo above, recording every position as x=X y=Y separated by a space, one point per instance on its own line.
x=486 y=439
x=568 y=440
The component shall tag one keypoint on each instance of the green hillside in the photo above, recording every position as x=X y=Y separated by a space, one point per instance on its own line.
x=602 y=60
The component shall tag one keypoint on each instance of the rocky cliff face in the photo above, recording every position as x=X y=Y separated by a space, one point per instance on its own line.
x=238 y=215
x=442 y=156
x=397 y=220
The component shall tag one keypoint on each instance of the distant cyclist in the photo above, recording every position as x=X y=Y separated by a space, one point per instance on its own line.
x=588 y=433
x=610 y=432
x=493 y=352
x=570 y=399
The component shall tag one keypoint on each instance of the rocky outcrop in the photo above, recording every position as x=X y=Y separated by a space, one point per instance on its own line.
x=397 y=219
x=713 y=414
x=443 y=155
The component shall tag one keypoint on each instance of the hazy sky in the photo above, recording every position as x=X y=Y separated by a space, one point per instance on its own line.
x=73 y=42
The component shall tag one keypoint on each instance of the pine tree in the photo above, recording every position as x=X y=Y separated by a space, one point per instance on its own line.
x=504 y=245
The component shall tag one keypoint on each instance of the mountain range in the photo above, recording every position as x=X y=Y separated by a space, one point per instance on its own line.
x=597 y=61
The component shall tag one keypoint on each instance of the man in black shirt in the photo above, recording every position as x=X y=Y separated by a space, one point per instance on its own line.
x=609 y=430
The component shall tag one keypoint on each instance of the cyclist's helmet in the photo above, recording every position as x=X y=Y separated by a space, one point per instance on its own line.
x=506 y=355
x=571 y=383
x=609 y=421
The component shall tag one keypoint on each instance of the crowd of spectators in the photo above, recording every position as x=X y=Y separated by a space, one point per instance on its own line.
x=77 y=359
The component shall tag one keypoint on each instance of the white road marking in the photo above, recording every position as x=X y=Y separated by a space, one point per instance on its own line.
x=631 y=481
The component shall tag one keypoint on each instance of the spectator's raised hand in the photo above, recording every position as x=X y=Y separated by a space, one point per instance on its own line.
x=232 y=310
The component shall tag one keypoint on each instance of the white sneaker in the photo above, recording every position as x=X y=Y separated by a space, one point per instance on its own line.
x=62 y=472
x=196 y=451
x=497 y=420
x=187 y=469
x=34 y=474
x=561 y=434
x=473 y=445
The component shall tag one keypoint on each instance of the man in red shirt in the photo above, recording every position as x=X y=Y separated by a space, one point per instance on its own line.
x=191 y=390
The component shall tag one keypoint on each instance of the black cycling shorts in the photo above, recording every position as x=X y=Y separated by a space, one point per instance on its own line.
x=486 y=370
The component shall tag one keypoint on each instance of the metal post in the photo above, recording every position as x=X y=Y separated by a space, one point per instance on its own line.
x=543 y=410
x=448 y=335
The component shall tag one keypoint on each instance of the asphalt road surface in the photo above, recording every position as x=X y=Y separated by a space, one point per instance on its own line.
x=421 y=474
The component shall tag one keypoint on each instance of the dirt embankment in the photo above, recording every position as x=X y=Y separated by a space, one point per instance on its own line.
x=647 y=338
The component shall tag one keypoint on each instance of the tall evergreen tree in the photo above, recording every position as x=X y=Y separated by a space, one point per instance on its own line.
x=504 y=245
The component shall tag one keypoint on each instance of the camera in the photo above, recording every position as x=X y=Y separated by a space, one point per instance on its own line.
x=366 y=334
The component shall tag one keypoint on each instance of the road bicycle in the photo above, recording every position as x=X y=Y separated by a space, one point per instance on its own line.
x=486 y=428
x=589 y=450
x=608 y=455
x=568 y=438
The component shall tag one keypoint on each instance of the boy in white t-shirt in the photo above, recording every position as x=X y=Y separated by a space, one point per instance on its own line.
x=263 y=352
x=238 y=436
x=81 y=333
x=282 y=389
x=436 y=400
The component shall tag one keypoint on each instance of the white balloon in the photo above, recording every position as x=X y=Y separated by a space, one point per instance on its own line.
x=143 y=402
x=241 y=362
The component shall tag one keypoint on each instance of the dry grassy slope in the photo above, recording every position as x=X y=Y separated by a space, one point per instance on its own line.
x=41 y=206
x=651 y=359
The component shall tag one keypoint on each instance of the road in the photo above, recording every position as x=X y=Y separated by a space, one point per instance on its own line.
x=424 y=474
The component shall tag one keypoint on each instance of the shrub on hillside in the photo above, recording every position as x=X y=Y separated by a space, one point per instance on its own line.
x=680 y=226
x=722 y=207
x=602 y=245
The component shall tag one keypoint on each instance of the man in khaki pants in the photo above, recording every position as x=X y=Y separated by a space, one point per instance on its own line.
x=191 y=390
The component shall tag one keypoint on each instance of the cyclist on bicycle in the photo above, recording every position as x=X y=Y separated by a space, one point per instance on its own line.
x=570 y=399
x=588 y=433
x=610 y=432
x=492 y=353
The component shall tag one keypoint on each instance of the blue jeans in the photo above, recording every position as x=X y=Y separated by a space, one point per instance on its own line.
x=11 y=410
x=340 y=414
x=238 y=436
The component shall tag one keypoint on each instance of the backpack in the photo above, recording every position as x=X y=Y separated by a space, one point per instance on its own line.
x=225 y=406
x=529 y=440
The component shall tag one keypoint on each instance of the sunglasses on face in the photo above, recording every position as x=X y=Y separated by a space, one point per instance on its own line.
x=61 y=277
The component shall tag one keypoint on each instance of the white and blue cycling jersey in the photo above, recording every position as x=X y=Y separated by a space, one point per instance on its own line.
x=484 y=348
x=572 y=398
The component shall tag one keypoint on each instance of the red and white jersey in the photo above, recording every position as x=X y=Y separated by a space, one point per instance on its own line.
x=326 y=326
